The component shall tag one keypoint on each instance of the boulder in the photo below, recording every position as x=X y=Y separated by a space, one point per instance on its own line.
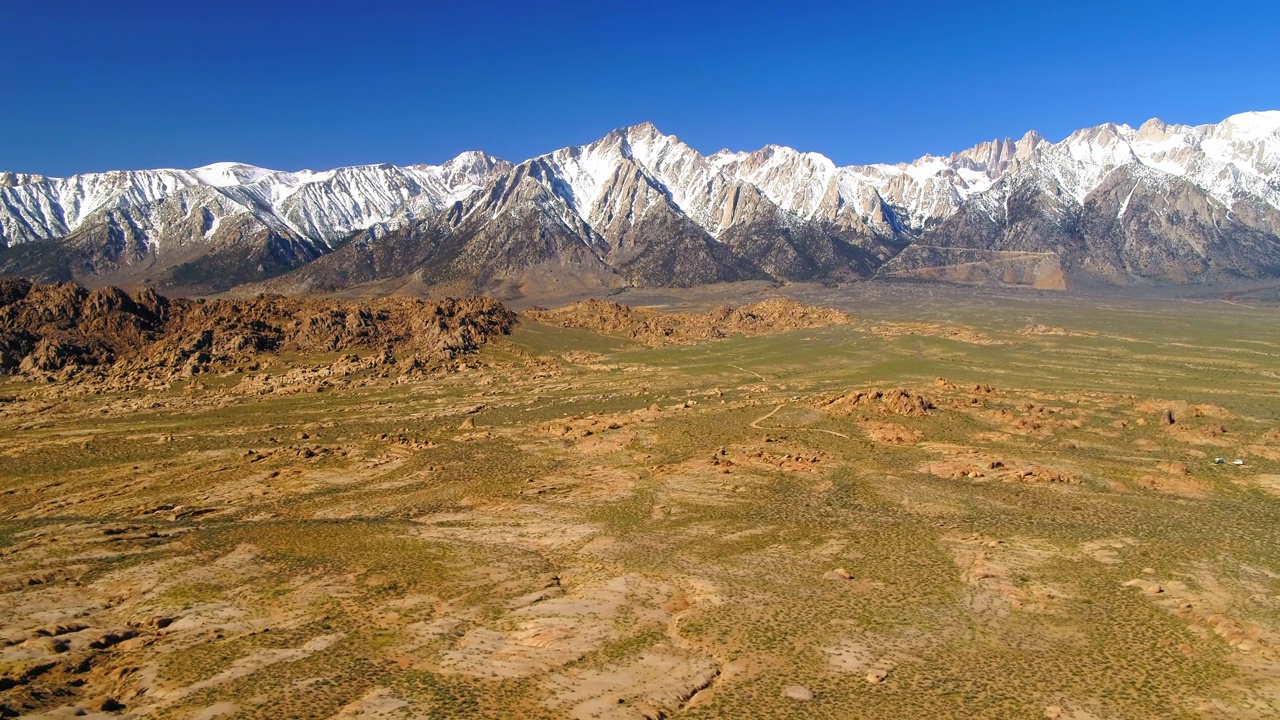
x=798 y=692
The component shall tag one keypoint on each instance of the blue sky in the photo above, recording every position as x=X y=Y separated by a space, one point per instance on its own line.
x=91 y=85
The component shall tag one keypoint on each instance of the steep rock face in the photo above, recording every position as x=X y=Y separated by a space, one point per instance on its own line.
x=44 y=208
x=1024 y=231
x=1152 y=226
x=643 y=160
x=209 y=243
x=796 y=182
x=370 y=256
x=1025 y=213
x=516 y=234
x=788 y=249
x=668 y=250
x=347 y=200
x=650 y=241
x=247 y=252
x=1137 y=226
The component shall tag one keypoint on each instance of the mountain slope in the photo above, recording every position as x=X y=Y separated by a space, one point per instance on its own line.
x=1112 y=204
x=214 y=227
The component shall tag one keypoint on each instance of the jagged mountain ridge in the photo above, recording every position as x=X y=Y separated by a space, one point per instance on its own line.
x=640 y=207
x=322 y=206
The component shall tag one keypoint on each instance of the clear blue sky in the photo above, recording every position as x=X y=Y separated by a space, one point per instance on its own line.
x=92 y=85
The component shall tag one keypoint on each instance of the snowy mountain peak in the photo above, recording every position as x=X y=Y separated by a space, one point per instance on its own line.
x=1153 y=127
x=12 y=179
x=471 y=161
x=644 y=129
x=1253 y=125
x=227 y=174
x=725 y=156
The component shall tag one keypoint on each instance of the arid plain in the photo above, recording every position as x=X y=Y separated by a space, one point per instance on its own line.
x=933 y=503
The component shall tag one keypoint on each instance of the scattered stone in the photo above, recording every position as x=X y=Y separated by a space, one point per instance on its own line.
x=160 y=622
x=798 y=692
x=1146 y=586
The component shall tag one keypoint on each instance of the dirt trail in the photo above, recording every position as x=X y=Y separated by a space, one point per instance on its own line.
x=753 y=372
x=756 y=424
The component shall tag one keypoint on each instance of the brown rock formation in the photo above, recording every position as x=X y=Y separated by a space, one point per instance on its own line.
x=898 y=402
x=769 y=316
x=64 y=329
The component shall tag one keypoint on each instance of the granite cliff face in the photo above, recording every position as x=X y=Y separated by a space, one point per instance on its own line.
x=1111 y=204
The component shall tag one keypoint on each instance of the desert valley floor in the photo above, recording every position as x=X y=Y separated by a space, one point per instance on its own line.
x=946 y=504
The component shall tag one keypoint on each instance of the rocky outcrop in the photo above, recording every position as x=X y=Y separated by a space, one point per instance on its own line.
x=655 y=328
x=898 y=402
x=61 y=330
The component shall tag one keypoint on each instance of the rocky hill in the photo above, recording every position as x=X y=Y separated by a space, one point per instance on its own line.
x=1110 y=204
x=774 y=315
x=63 y=330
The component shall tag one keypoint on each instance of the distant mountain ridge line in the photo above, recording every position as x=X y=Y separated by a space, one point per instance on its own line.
x=9 y=178
x=1199 y=203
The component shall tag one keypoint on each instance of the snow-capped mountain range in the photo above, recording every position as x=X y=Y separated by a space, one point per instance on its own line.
x=321 y=206
x=1112 y=203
